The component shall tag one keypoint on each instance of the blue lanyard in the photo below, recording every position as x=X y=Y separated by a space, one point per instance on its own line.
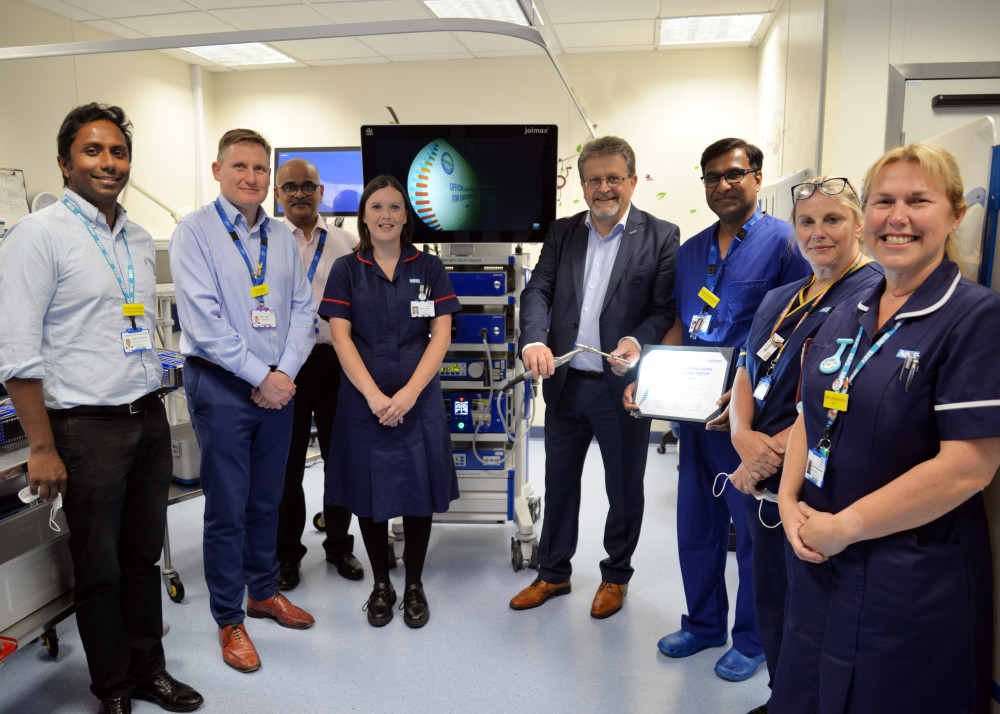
x=256 y=276
x=129 y=293
x=844 y=382
x=712 y=276
x=319 y=251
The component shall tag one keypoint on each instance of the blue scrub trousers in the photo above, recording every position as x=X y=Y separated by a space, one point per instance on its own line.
x=703 y=539
x=243 y=452
x=771 y=553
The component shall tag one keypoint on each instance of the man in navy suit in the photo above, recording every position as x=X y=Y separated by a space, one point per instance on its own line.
x=604 y=278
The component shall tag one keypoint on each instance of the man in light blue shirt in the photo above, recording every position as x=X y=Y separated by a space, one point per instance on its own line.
x=78 y=290
x=246 y=311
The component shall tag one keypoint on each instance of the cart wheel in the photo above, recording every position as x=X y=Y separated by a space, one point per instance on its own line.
x=533 y=561
x=392 y=553
x=51 y=641
x=175 y=588
x=516 y=556
x=319 y=523
x=535 y=508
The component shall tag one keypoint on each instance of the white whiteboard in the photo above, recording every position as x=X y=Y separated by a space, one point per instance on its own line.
x=13 y=196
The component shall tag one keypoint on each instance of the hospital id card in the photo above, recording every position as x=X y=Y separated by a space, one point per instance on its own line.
x=700 y=324
x=136 y=340
x=263 y=317
x=421 y=308
x=816 y=466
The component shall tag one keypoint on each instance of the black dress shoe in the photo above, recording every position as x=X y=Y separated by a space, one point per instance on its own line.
x=288 y=576
x=115 y=705
x=414 y=607
x=170 y=694
x=379 y=605
x=762 y=709
x=347 y=565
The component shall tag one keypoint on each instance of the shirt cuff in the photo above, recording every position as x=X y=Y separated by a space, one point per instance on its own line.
x=638 y=347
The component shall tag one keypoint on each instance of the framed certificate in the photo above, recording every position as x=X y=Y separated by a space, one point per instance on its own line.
x=683 y=383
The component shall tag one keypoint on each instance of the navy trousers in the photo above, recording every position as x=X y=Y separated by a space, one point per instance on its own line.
x=118 y=469
x=586 y=409
x=703 y=539
x=316 y=387
x=243 y=452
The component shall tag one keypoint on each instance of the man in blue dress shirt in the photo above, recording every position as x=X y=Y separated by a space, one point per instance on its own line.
x=246 y=311
x=78 y=290
x=723 y=274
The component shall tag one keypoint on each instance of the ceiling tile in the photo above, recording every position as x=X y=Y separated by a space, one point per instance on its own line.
x=564 y=11
x=112 y=9
x=486 y=42
x=373 y=10
x=363 y=60
x=63 y=8
x=114 y=28
x=416 y=44
x=510 y=53
x=189 y=58
x=181 y=23
x=431 y=58
x=621 y=33
x=224 y=4
x=262 y=18
x=334 y=48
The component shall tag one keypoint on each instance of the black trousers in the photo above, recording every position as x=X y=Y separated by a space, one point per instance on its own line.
x=316 y=388
x=585 y=410
x=118 y=470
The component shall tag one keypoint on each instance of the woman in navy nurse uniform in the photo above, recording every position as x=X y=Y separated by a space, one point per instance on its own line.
x=828 y=219
x=890 y=600
x=389 y=307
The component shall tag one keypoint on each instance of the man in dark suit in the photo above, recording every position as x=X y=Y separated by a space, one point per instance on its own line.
x=604 y=278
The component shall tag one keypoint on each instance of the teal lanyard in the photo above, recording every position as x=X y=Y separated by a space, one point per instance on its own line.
x=844 y=382
x=128 y=293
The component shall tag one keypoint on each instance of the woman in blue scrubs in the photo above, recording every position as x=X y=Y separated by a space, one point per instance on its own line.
x=828 y=219
x=389 y=307
x=889 y=605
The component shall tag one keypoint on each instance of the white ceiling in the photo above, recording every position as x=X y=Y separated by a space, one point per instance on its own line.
x=578 y=26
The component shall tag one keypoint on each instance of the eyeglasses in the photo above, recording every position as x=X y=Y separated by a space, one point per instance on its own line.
x=732 y=177
x=612 y=181
x=290 y=189
x=831 y=187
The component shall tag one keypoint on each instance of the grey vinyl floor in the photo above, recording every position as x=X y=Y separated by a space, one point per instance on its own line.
x=475 y=654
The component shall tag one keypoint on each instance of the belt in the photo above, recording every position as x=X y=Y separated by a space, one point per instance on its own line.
x=586 y=373
x=139 y=406
x=207 y=363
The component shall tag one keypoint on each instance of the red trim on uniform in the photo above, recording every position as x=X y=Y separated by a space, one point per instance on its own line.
x=341 y=302
x=366 y=262
x=414 y=257
x=446 y=297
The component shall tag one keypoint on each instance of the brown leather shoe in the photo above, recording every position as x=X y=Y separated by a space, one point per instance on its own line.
x=608 y=600
x=538 y=592
x=281 y=611
x=237 y=649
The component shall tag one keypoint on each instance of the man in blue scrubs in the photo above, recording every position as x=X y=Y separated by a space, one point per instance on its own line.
x=246 y=311
x=723 y=274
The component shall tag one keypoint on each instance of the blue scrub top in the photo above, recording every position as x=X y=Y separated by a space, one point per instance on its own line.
x=764 y=259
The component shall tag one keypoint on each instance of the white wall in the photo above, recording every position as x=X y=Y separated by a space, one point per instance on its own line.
x=153 y=89
x=865 y=38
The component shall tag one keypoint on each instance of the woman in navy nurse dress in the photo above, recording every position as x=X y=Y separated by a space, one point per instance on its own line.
x=890 y=599
x=828 y=219
x=390 y=454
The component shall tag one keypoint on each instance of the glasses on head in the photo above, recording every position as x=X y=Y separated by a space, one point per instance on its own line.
x=831 y=187
x=612 y=181
x=732 y=177
x=290 y=189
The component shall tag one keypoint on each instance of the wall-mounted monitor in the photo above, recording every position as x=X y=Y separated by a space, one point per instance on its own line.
x=475 y=183
x=339 y=171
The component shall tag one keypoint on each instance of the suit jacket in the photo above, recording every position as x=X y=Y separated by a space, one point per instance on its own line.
x=638 y=302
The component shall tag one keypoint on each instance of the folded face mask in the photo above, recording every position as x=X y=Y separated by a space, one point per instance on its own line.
x=27 y=496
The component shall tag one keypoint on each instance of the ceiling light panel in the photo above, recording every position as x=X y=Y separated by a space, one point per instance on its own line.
x=502 y=10
x=714 y=29
x=240 y=55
